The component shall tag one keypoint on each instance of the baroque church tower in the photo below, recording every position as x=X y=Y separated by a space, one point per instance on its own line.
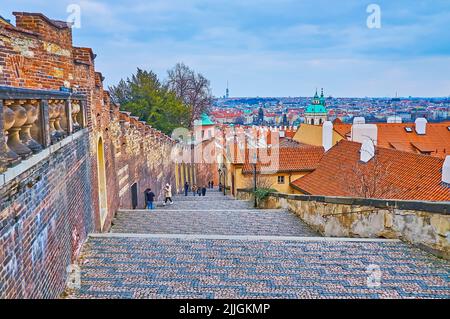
x=316 y=113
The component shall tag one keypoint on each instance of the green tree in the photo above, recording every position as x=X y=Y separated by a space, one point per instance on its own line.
x=144 y=96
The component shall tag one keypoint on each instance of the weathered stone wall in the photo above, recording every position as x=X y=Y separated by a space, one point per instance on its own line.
x=51 y=201
x=425 y=224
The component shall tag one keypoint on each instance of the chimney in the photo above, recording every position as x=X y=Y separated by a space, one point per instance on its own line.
x=362 y=132
x=359 y=120
x=327 y=135
x=421 y=126
x=394 y=119
x=446 y=170
x=367 y=151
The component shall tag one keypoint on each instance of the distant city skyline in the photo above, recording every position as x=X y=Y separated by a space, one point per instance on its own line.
x=269 y=48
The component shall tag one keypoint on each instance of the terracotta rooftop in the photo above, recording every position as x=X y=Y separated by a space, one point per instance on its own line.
x=436 y=141
x=300 y=158
x=391 y=174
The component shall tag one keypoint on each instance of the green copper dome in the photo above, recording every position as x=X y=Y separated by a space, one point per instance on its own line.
x=205 y=120
x=318 y=105
x=316 y=109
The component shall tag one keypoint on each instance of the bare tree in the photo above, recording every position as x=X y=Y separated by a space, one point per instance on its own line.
x=377 y=178
x=192 y=88
x=262 y=181
x=368 y=180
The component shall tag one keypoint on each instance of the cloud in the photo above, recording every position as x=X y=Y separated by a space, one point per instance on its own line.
x=270 y=47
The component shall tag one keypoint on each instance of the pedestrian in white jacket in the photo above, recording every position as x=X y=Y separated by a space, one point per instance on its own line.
x=168 y=194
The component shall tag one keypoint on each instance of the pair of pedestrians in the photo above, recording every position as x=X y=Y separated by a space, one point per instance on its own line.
x=150 y=196
x=201 y=191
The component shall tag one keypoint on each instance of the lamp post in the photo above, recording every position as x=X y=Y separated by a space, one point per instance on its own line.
x=255 y=159
x=222 y=172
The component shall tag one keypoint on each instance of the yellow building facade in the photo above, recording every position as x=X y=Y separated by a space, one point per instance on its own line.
x=312 y=135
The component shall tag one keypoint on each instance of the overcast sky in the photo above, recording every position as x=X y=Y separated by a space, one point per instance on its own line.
x=269 y=47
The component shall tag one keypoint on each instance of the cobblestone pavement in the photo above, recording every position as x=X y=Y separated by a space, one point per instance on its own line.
x=205 y=203
x=190 y=250
x=239 y=222
x=208 y=268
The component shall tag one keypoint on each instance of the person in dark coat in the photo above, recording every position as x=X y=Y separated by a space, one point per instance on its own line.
x=186 y=188
x=149 y=198
x=204 y=191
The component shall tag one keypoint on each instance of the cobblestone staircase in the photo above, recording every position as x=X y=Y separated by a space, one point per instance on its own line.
x=216 y=247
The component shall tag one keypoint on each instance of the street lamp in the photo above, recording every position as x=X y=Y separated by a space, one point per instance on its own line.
x=220 y=177
x=254 y=161
x=222 y=172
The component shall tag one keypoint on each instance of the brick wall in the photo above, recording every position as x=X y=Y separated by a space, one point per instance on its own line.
x=49 y=207
x=46 y=213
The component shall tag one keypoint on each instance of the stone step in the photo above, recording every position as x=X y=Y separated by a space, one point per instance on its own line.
x=215 y=222
x=216 y=268
x=204 y=204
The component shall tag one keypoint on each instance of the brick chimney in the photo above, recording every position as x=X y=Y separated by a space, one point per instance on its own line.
x=327 y=135
x=421 y=126
x=367 y=150
x=362 y=132
x=394 y=119
x=446 y=170
x=359 y=120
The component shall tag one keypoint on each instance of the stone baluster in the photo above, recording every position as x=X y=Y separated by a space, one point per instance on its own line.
x=83 y=114
x=31 y=107
x=52 y=114
x=58 y=119
x=11 y=158
x=67 y=120
x=44 y=124
x=20 y=118
x=76 y=108
x=3 y=162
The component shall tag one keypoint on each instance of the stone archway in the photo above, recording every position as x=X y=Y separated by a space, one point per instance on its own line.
x=101 y=173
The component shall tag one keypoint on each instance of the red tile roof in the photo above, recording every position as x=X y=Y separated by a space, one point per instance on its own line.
x=394 y=135
x=391 y=174
x=342 y=128
x=286 y=159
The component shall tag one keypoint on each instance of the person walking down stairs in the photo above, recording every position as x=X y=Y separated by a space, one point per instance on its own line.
x=186 y=188
x=168 y=194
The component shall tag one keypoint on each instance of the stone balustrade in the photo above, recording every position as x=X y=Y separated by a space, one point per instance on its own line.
x=32 y=120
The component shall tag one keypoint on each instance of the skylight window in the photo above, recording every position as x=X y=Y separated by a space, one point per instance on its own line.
x=408 y=129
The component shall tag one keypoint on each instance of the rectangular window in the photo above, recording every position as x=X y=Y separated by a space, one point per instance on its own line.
x=280 y=179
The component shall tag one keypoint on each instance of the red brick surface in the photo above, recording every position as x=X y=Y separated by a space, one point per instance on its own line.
x=47 y=211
